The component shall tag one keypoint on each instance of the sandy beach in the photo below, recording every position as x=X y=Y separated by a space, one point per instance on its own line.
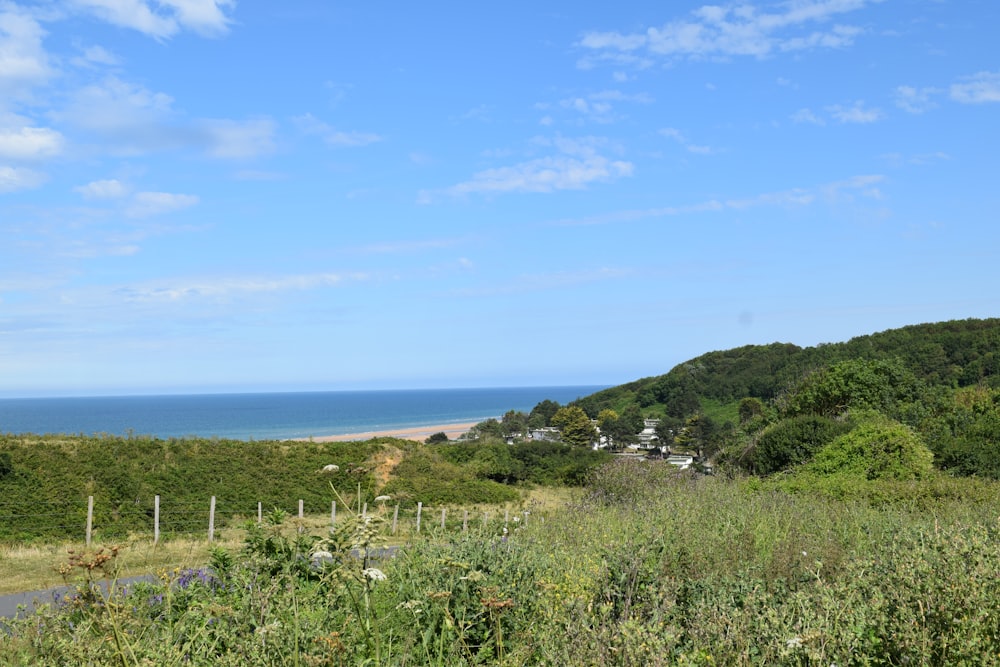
x=419 y=433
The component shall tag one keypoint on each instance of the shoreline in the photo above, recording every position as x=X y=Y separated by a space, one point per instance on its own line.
x=418 y=433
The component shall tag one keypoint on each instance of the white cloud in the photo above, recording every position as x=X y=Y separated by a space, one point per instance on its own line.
x=206 y=17
x=309 y=124
x=218 y=289
x=915 y=100
x=977 y=89
x=831 y=193
x=678 y=136
x=576 y=165
x=146 y=204
x=737 y=30
x=30 y=143
x=15 y=178
x=856 y=113
x=107 y=189
x=807 y=116
x=234 y=139
x=131 y=117
x=23 y=61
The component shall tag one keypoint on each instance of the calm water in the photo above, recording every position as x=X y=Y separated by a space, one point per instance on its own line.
x=271 y=416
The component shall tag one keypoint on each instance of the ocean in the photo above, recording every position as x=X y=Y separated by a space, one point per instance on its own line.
x=272 y=416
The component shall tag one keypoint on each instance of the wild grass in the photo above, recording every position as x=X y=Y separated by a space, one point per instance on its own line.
x=650 y=567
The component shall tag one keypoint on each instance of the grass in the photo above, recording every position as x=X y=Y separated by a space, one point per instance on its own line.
x=34 y=566
x=648 y=567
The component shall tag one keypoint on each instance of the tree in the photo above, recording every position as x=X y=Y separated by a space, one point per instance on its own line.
x=514 y=423
x=436 y=438
x=574 y=426
x=541 y=415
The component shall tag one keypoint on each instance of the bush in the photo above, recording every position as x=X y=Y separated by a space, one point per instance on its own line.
x=877 y=449
x=793 y=441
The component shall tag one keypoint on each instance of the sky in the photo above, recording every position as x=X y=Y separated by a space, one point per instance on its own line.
x=235 y=195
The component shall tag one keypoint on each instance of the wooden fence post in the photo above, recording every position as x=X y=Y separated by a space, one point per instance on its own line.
x=90 y=518
x=465 y=521
x=420 y=507
x=156 y=519
x=364 y=512
x=395 y=519
x=486 y=518
x=443 y=510
x=260 y=512
x=211 y=520
x=333 y=514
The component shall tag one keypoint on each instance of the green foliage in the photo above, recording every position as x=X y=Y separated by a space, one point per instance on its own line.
x=875 y=449
x=541 y=415
x=881 y=385
x=574 y=426
x=654 y=567
x=545 y=463
x=426 y=476
x=793 y=441
x=436 y=438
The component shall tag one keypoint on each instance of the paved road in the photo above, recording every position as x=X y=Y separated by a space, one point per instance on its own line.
x=20 y=604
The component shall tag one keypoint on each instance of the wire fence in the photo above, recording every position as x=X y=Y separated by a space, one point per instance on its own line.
x=98 y=519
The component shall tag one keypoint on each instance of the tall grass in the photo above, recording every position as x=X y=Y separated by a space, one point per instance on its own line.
x=652 y=567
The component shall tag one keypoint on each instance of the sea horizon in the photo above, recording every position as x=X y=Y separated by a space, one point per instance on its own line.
x=271 y=415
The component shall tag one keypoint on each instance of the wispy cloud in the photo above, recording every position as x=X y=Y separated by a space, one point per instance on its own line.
x=736 y=30
x=205 y=17
x=145 y=204
x=915 y=100
x=599 y=107
x=977 y=89
x=834 y=192
x=691 y=147
x=224 y=288
x=576 y=165
x=19 y=178
x=311 y=125
x=29 y=143
x=106 y=189
x=239 y=139
x=23 y=60
x=855 y=113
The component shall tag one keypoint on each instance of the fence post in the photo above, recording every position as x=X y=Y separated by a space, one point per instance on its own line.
x=443 y=510
x=156 y=519
x=364 y=512
x=260 y=512
x=395 y=519
x=465 y=521
x=211 y=520
x=506 y=517
x=486 y=518
x=420 y=507
x=90 y=518
x=333 y=514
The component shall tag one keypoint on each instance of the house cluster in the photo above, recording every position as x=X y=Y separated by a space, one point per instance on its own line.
x=646 y=441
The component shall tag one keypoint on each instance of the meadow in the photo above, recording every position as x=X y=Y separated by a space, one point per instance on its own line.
x=645 y=565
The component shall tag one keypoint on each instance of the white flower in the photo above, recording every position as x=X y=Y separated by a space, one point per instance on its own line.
x=374 y=574
x=794 y=642
x=383 y=499
x=322 y=555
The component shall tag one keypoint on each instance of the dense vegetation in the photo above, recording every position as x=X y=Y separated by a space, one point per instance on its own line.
x=650 y=567
x=854 y=522
x=766 y=408
x=45 y=480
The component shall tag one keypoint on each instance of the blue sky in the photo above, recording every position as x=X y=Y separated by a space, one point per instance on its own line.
x=209 y=195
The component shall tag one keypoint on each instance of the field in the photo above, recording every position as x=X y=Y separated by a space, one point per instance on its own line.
x=646 y=566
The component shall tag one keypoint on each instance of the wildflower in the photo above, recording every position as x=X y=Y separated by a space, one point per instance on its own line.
x=322 y=555
x=374 y=574
x=794 y=642
x=383 y=499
